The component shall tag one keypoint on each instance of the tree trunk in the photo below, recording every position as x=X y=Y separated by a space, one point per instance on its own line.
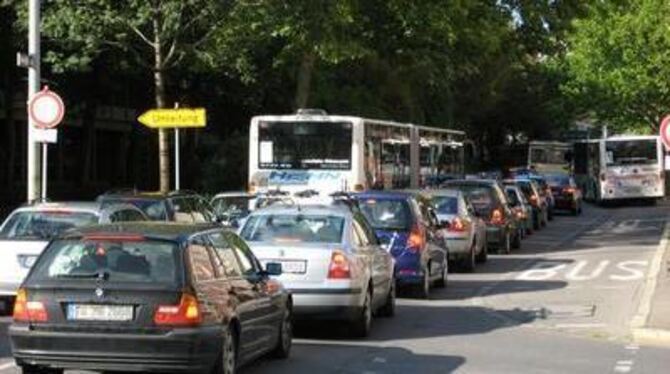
x=304 y=80
x=159 y=82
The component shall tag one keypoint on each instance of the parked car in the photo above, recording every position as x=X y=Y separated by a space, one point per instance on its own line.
x=412 y=236
x=540 y=206
x=333 y=263
x=28 y=229
x=231 y=208
x=466 y=232
x=490 y=203
x=521 y=207
x=565 y=192
x=175 y=206
x=149 y=297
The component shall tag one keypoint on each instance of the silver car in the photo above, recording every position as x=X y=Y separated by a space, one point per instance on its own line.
x=331 y=262
x=27 y=231
x=466 y=232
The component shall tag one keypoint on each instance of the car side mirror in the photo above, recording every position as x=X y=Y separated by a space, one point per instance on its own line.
x=273 y=269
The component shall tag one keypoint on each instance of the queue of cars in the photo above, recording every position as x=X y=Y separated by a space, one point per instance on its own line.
x=215 y=285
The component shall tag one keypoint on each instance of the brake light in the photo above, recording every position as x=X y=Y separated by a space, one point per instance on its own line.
x=497 y=217
x=417 y=239
x=457 y=225
x=520 y=214
x=186 y=313
x=339 y=266
x=29 y=311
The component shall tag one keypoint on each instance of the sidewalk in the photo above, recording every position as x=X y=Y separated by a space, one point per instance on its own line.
x=659 y=316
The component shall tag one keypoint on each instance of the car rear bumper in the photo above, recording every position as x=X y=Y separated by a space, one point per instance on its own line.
x=495 y=235
x=180 y=350
x=567 y=203
x=327 y=303
x=458 y=245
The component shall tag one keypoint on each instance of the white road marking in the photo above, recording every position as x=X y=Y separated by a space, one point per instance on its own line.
x=574 y=275
x=7 y=365
x=634 y=273
x=622 y=369
x=624 y=271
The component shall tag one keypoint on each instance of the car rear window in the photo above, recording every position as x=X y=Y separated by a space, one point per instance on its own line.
x=142 y=261
x=44 y=224
x=446 y=204
x=153 y=208
x=296 y=228
x=387 y=214
x=482 y=197
x=558 y=180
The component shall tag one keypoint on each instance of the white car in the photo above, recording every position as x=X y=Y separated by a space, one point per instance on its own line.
x=331 y=261
x=28 y=230
x=466 y=232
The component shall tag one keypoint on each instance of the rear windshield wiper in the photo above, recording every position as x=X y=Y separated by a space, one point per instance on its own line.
x=103 y=275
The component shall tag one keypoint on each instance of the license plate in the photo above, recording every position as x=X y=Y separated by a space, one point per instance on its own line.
x=291 y=267
x=94 y=312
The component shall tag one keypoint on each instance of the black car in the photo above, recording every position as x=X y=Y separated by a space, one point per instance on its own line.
x=174 y=206
x=155 y=297
x=491 y=204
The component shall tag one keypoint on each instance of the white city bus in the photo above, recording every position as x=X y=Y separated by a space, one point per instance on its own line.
x=312 y=150
x=622 y=167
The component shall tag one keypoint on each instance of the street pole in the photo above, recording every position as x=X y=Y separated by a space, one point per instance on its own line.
x=176 y=155
x=33 y=173
x=44 y=172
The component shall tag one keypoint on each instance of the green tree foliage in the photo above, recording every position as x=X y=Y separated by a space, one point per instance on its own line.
x=618 y=63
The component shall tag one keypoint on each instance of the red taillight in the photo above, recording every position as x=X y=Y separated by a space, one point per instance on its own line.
x=497 y=217
x=29 y=311
x=186 y=313
x=339 y=266
x=520 y=213
x=417 y=239
x=457 y=225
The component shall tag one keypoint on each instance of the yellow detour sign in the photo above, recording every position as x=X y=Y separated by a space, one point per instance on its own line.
x=174 y=118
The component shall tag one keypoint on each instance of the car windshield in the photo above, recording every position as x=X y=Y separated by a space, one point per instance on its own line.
x=446 y=204
x=387 y=214
x=44 y=224
x=557 y=180
x=153 y=208
x=237 y=206
x=297 y=228
x=121 y=261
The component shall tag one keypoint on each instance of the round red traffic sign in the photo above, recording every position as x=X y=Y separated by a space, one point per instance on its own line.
x=46 y=109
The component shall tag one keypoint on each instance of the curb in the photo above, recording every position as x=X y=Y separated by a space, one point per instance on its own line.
x=640 y=331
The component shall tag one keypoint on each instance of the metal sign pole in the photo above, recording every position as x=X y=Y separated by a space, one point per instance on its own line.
x=33 y=176
x=176 y=156
x=44 y=171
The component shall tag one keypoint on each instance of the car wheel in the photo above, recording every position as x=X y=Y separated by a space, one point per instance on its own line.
x=516 y=243
x=537 y=224
x=283 y=349
x=444 y=275
x=550 y=215
x=468 y=262
x=545 y=219
x=388 y=310
x=30 y=369
x=363 y=324
x=423 y=289
x=506 y=247
x=483 y=256
x=228 y=359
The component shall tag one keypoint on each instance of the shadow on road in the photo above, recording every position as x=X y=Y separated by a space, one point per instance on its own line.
x=344 y=359
x=502 y=264
x=468 y=289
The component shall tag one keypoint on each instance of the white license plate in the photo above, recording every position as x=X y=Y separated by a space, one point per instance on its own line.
x=291 y=267
x=94 y=312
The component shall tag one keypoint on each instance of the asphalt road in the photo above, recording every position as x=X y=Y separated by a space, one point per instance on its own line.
x=561 y=304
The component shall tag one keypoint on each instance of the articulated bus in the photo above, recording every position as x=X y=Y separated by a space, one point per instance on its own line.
x=312 y=150
x=622 y=167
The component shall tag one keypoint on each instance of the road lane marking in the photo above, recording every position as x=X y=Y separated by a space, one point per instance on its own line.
x=624 y=271
x=6 y=366
x=575 y=276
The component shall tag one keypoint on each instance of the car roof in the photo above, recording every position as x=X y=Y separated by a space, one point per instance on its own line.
x=450 y=192
x=155 y=195
x=489 y=182
x=234 y=194
x=389 y=195
x=170 y=231
x=316 y=209
x=81 y=206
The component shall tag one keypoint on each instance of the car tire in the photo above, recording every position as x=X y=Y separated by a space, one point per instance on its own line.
x=444 y=275
x=283 y=349
x=30 y=369
x=388 y=310
x=468 y=262
x=550 y=214
x=227 y=362
x=483 y=256
x=423 y=289
x=363 y=324
x=516 y=243
x=506 y=247
x=537 y=222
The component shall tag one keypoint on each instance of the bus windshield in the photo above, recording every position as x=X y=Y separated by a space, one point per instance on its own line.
x=305 y=145
x=631 y=152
